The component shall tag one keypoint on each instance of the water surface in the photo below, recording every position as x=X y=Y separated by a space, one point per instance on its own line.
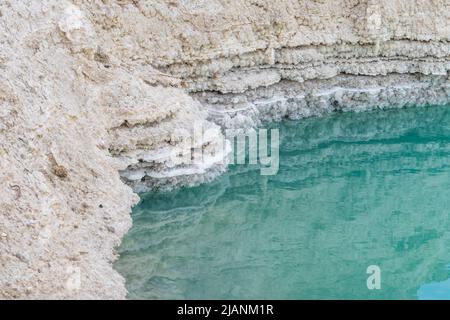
x=353 y=190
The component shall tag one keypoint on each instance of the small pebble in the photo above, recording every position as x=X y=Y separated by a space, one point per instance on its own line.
x=4 y=235
x=60 y=171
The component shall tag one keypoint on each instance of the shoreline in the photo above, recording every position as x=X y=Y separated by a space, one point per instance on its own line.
x=91 y=89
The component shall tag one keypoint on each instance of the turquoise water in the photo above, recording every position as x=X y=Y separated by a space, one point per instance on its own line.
x=353 y=190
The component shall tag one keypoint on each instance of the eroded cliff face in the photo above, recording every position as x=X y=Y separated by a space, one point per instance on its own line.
x=97 y=93
x=248 y=61
x=69 y=113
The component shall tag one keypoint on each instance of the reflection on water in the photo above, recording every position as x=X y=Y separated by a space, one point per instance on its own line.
x=352 y=190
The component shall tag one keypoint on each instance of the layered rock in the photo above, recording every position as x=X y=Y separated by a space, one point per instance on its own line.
x=73 y=116
x=97 y=93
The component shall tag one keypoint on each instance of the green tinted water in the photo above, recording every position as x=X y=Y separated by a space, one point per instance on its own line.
x=352 y=190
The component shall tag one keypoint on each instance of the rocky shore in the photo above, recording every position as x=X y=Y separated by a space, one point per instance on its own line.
x=96 y=97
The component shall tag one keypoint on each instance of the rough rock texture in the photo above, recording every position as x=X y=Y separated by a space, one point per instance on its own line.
x=97 y=93
x=70 y=115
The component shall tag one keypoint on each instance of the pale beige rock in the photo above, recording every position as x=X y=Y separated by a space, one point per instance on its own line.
x=89 y=89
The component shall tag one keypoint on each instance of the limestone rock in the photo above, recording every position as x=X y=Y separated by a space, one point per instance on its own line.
x=103 y=92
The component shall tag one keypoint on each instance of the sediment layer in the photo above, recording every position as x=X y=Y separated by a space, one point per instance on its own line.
x=98 y=95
